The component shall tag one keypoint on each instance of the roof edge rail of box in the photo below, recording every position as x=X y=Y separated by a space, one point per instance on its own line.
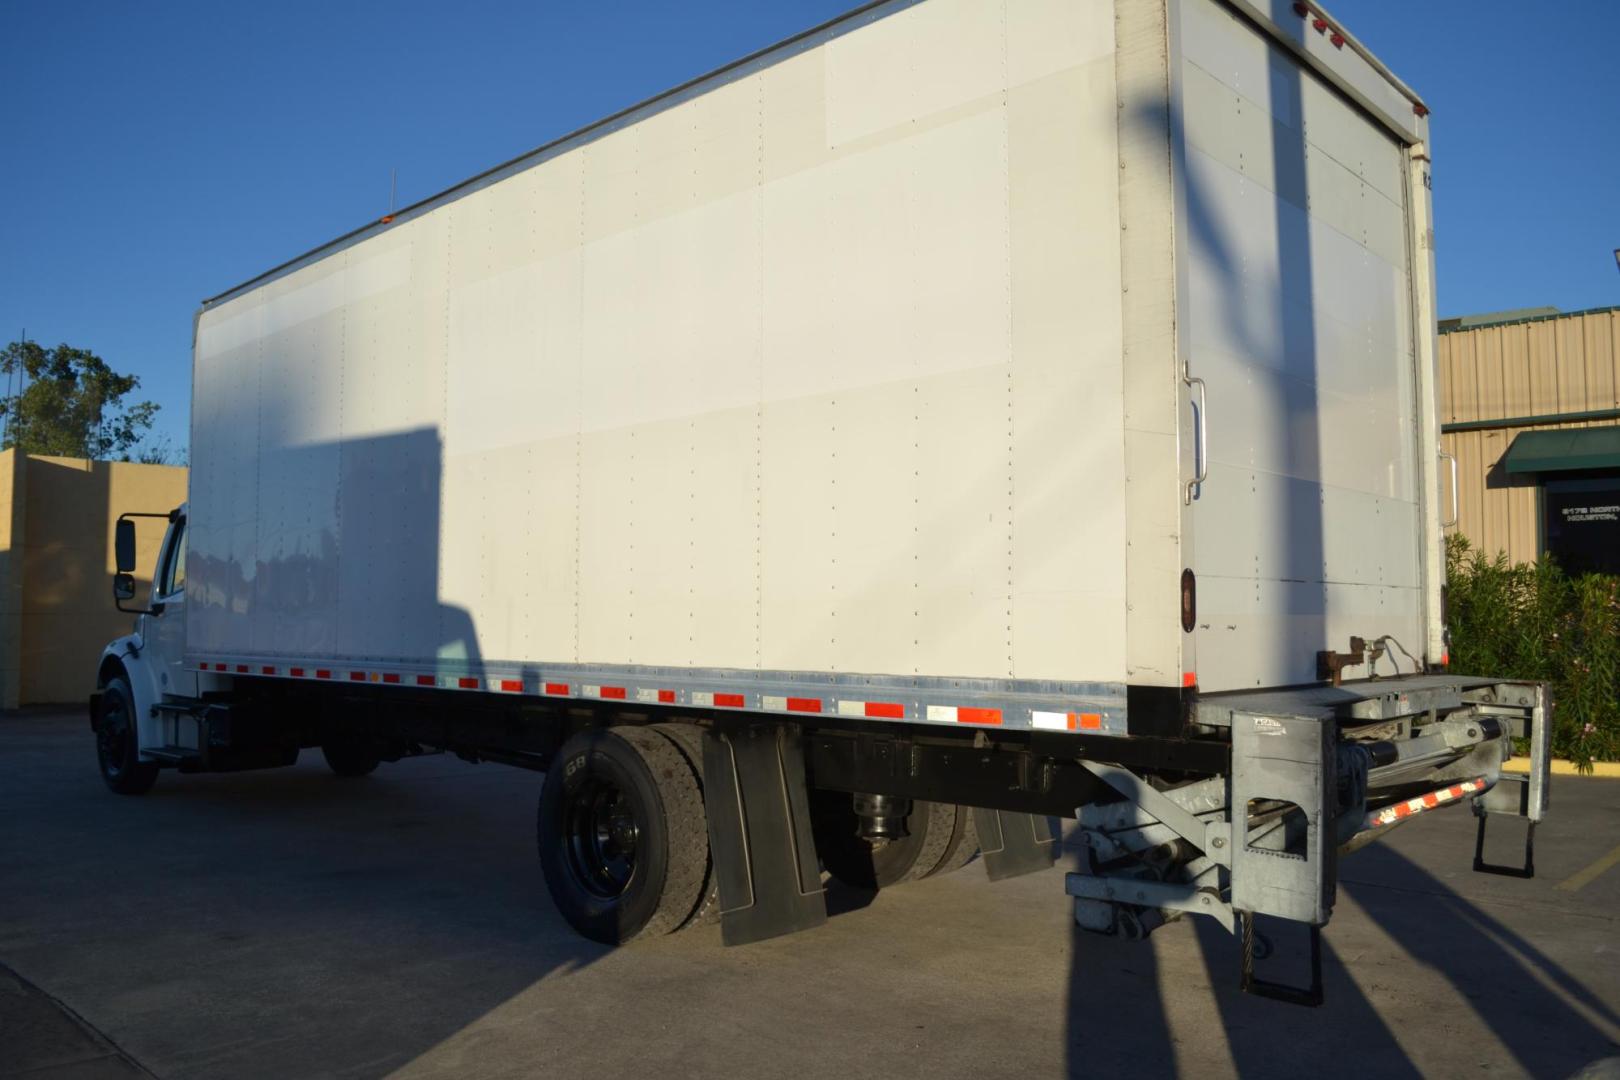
x=1338 y=57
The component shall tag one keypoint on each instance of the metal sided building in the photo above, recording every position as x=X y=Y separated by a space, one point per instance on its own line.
x=1530 y=406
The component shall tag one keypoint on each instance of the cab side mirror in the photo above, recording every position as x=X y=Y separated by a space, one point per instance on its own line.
x=123 y=587
x=124 y=548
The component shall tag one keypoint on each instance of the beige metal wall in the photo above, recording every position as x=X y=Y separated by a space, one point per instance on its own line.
x=56 y=566
x=1536 y=367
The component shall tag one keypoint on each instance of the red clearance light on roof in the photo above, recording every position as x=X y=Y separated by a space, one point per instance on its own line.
x=1319 y=25
x=1420 y=108
x=1301 y=10
x=1338 y=41
x=386 y=218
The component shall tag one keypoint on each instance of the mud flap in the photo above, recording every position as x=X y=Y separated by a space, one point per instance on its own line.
x=1013 y=844
x=759 y=832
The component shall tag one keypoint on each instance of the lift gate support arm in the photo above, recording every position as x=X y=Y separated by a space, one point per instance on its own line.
x=1265 y=839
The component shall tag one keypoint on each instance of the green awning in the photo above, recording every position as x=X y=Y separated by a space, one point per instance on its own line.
x=1562 y=451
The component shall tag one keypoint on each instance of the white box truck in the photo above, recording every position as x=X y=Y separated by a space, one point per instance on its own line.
x=964 y=412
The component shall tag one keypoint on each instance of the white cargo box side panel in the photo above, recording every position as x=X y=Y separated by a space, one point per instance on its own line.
x=815 y=371
x=1296 y=311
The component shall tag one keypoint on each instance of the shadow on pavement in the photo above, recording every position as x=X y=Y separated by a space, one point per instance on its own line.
x=1539 y=1012
x=306 y=925
x=1268 y=1038
x=1522 y=995
x=1113 y=989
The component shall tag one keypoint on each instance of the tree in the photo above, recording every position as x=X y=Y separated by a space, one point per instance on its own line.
x=71 y=404
x=159 y=451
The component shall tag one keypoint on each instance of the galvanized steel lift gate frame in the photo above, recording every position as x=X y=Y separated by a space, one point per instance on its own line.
x=1315 y=772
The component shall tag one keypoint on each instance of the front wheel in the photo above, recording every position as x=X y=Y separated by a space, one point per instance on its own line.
x=623 y=839
x=118 y=750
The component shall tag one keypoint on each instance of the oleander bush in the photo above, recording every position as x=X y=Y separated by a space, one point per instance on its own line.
x=1533 y=621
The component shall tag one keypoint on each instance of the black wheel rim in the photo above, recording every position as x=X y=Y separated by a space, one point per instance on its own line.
x=112 y=736
x=603 y=835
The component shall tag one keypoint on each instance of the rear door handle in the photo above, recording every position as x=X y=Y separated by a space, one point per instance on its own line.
x=1201 y=465
x=1453 y=519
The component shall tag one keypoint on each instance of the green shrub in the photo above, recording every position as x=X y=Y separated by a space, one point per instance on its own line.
x=1532 y=621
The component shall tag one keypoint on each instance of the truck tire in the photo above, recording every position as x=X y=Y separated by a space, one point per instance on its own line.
x=928 y=846
x=623 y=840
x=688 y=738
x=117 y=746
x=350 y=757
x=963 y=846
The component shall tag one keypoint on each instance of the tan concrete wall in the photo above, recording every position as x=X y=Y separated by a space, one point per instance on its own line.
x=1538 y=367
x=56 y=565
x=13 y=501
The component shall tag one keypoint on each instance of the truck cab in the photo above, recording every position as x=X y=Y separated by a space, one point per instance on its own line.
x=144 y=668
x=151 y=709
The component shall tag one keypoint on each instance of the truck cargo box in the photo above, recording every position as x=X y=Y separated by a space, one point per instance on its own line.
x=964 y=414
x=954 y=362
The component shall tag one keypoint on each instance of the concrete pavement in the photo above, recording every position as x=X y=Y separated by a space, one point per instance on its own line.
x=288 y=924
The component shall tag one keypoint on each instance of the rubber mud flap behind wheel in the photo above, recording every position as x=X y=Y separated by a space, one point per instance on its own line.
x=622 y=836
x=1014 y=844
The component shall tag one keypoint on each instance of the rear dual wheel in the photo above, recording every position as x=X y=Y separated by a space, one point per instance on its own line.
x=623 y=840
x=350 y=757
x=940 y=837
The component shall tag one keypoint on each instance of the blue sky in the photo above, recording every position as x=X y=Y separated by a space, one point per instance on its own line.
x=158 y=153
